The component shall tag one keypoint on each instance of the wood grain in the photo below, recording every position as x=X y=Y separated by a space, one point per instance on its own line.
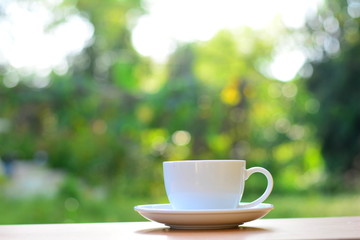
x=290 y=228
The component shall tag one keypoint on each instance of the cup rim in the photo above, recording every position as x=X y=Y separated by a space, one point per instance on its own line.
x=203 y=161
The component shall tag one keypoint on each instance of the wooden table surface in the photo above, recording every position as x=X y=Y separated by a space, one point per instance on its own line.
x=284 y=228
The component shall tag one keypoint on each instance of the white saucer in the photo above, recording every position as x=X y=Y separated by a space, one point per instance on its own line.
x=202 y=219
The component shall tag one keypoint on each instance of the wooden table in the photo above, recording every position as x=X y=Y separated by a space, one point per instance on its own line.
x=291 y=228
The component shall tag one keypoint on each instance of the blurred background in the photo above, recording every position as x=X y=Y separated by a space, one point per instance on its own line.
x=95 y=95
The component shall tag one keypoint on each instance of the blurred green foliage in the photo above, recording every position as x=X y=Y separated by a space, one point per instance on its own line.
x=335 y=84
x=115 y=116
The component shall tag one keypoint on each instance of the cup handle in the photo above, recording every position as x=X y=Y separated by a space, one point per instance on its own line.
x=268 y=188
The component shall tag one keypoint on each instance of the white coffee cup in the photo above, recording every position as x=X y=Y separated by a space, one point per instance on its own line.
x=210 y=184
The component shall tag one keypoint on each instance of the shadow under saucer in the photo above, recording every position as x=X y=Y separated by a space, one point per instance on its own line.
x=171 y=233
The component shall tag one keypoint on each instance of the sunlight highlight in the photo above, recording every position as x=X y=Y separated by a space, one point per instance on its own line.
x=169 y=22
x=28 y=44
x=181 y=138
x=286 y=64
